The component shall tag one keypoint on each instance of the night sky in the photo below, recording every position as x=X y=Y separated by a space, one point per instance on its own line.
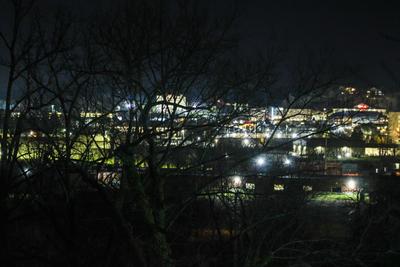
x=354 y=31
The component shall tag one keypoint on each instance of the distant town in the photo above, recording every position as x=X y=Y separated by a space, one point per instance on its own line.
x=351 y=133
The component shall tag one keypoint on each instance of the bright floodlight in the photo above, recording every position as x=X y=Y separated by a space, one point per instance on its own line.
x=236 y=181
x=348 y=155
x=351 y=184
x=260 y=161
x=246 y=142
x=287 y=162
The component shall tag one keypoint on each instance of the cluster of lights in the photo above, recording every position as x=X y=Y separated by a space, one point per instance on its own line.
x=261 y=161
x=236 y=181
x=351 y=185
x=246 y=142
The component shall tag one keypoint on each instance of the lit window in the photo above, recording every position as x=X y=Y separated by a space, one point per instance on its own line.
x=279 y=187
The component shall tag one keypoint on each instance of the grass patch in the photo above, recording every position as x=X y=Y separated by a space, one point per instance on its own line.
x=334 y=196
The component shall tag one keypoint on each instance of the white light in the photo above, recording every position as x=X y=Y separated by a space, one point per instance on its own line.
x=351 y=184
x=260 y=161
x=287 y=162
x=236 y=181
x=295 y=135
x=27 y=171
x=246 y=142
x=339 y=156
x=128 y=105
x=348 y=155
x=279 y=135
x=341 y=129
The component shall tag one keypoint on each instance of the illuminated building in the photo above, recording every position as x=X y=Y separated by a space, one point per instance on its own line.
x=394 y=126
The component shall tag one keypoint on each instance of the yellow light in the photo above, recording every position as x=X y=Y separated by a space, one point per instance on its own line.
x=351 y=185
x=236 y=181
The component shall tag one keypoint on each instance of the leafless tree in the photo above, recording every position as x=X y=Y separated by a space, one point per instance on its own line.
x=128 y=108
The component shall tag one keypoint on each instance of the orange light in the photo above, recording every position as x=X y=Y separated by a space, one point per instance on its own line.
x=362 y=107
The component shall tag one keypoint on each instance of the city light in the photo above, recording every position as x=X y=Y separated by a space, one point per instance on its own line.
x=260 y=161
x=287 y=162
x=156 y=133
x=246 y=142
x=236 y=181
x=128 y=105
x=351 y=185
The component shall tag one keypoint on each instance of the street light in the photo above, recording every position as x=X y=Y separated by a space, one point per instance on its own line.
x=287 y=162
x=260 y=161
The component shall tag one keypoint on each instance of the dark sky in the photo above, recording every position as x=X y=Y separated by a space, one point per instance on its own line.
x=353 y=29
